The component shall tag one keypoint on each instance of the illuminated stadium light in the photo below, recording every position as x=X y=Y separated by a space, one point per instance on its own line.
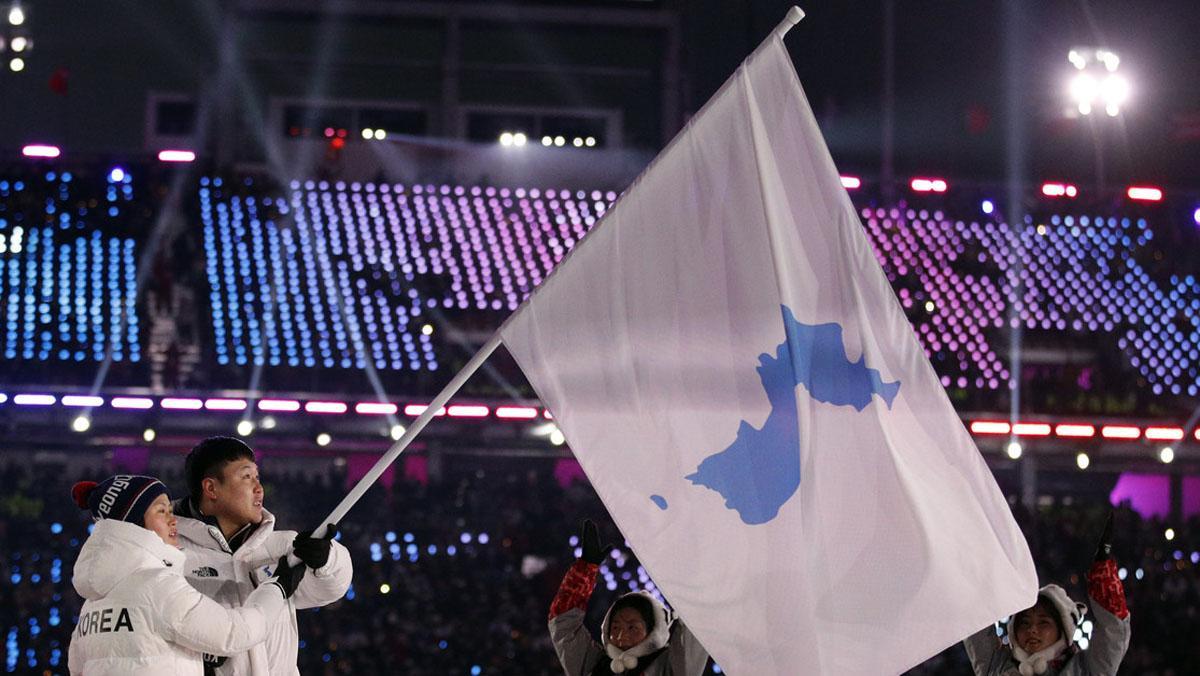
x=181 y=404
x=279 y=405
x=1196 y=216
x=325 y=407
x=547 y=141
x=368 y=133
x=16 y=64
x=149 y=435
x=414 y=410
x=41 y=150
x=987 y=207
x=117 y=175
x=1169 y=534
x=1096 y=82
x=466 y=411
x=268 y=423
x=559 y=141
x=577 y=142
x=3 y=397
x=1023 y=429
x=225 y=404
x=506 y=138
x=81 y=424
x=19 y=43
x=1082 y=461
x=1014 y=450
x=557 y=437
x=1166 y=455
x=139 y=403
x=1144 y=193
x=516 y=412
x=34 y=399
x=1073 y=430
x=181 y=156
x=851 y=182
x=396 y=432
x=82 y=400
x=381 y=134
x=427 y=330
x=928 y=185
x=519 y=139
x=324 y=439
x=1059 y=190
x=245 y=428
x=375 y=408
x=1120 y=432
x=1164 y=433
x=590 y=141
x=16 y=15
x=990 y=427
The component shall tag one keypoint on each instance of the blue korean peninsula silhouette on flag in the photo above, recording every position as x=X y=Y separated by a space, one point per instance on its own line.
x=760 y=470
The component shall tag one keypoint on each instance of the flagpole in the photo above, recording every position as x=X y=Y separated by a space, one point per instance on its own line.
x=413 y=430
x=793 y=17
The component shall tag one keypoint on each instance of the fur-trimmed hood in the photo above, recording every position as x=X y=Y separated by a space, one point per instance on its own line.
x=656 y=637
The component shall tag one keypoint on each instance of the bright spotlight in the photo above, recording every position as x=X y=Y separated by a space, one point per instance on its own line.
x=547 y=141
x=268 y=423
x=589 y=141
x=117 y=175
x=1014 y=450
x=17 y=65
x=16 y=15
x=149 y=434
x=245 y=428
x=427 y=330
x=506 y=139
x=987 y=206
x=19 y=43
x=368 y=133
x=519 y=139
x=396 y=432
x=1196 y=216
x=1166 y=454
x=1169 y=534
x=81 y=424
x=1083 y=461
x=380 y=134
x=578 y=142
x=559 y=141
x=1096 y=83
x=323 y=439
x=557 y=438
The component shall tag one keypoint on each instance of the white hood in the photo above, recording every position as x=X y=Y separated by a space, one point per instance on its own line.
x=114 y=551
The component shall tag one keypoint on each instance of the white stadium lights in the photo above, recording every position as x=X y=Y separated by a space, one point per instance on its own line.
x=324 y=439
x=81 y=424
x=1082 y=461
x=1166 y=455
x=16 y=16
x=245 y=428
x=176 y=156
x=41 y=150
x=17 y=64
x=149 y=435
x=1096 y=84
x=851 y=182
x=1014 y=450
x=513 y=138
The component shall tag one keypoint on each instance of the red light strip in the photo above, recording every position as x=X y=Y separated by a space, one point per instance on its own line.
x=1164 y=433
x=1144 y=193
x=1073 y=430
x=415 y=410
x=325 y=407
x=1025 y=429
x=375 y=408
x=516 y=412
x=990 y=427
x=1120 y=432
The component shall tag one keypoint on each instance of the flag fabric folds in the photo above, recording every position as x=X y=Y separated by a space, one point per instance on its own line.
x=730 y=365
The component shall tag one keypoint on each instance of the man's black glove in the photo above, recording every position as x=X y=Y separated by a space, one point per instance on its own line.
x=314 y=552
x=1104 y=547
x=287 y=577
x=589 y=541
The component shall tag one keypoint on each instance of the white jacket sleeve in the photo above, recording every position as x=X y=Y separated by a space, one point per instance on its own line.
x=328 y=583
x=195 y=621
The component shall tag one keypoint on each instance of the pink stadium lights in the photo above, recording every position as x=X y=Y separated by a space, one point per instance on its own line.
x=990 y=427
x=928 y=185
x=851 y=182
x=40 y=151
x=82 y=400
x=414 y=410
x=279 y=405
x=1164 y=433
x=1076 y=431
x=464 y=411
x=1024 y=429
x=139 y=403
x=325 y=407
x=34 y=400
x=225 y=404
x=1120 y=432
x=516 y=412
x=176 y=156
x=181 y=404
x=1059 y=190
x=1144 y=193
x=375 y=408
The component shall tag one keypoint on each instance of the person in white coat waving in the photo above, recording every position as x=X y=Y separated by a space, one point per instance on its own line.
x=139 y=615
x=231 y=544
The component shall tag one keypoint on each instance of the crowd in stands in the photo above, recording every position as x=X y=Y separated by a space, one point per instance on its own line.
x=455 y=575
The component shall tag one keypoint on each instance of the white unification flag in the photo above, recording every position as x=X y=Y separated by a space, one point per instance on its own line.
x=731 y=367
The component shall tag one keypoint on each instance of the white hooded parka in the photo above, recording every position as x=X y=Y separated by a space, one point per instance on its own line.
x=140 y=617
x=230 y=577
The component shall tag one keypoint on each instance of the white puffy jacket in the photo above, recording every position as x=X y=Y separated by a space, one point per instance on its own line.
x=230 y=577
x=140 y=616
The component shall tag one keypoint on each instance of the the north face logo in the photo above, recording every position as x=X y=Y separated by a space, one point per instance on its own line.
x=204 y=571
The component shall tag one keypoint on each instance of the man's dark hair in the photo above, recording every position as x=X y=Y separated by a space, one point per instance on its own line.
x=639 y=603
x=208 y=459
